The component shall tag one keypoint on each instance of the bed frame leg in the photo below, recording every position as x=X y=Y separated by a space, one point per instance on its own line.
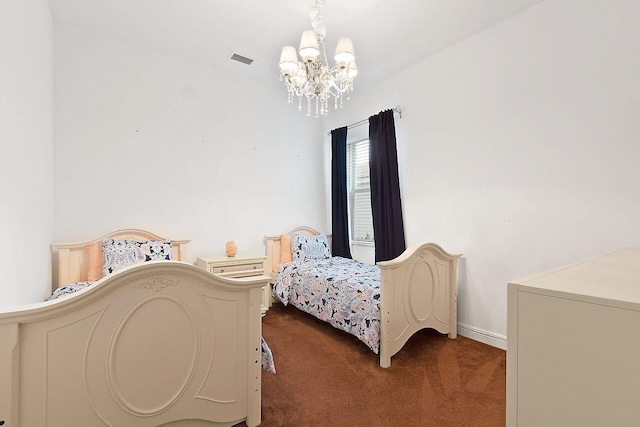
x=453 y=334
x=9 y=367
x=385 y=359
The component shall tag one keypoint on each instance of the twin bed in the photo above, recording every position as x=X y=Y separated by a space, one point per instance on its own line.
x=157 y=343
x=382 y=305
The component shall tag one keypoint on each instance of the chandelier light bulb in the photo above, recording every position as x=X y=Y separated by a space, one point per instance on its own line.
x=288 y=60
x=344 y=50
x=309 y=46
x=352 y=69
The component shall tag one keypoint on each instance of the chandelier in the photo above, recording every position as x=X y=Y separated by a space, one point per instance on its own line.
x=312 y=78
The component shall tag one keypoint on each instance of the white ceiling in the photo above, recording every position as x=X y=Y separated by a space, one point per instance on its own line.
x=388 y=35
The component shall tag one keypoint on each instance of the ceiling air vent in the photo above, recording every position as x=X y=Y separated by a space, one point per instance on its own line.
x=241 y=58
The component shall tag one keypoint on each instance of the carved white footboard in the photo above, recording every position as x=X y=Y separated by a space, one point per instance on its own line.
x=157 y=344
x=418 y=290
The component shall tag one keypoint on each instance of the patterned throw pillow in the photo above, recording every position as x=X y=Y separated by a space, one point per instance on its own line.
x=304 y=248
x=119 y=254
x=68 y=289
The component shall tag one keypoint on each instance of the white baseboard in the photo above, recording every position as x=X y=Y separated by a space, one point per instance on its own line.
x=486 y=337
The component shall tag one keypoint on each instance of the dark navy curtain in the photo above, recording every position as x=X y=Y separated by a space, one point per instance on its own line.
x=339 y=211
x=386 y=206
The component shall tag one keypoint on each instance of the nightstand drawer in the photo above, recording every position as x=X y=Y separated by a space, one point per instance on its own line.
x=239 y=266
x=238 y=270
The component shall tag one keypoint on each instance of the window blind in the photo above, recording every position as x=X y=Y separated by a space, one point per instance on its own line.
x=359 y=191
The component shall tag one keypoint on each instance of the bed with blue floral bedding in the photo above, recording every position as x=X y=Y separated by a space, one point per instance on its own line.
x=343 y=292
x=157 y=343
x=116 y=254
x=417 y=289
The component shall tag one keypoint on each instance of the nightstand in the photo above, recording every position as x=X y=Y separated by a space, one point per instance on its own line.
x=238 y=266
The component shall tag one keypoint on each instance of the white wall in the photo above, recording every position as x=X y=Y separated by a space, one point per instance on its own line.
x=26 y=141
x=519 y=147
x=148 y=140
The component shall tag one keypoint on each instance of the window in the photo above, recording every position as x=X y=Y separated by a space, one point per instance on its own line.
x=359 y=191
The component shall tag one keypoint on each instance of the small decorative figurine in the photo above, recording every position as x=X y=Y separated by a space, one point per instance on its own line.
x=231 y=248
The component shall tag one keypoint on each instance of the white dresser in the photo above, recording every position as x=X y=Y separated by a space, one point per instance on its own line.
x=573 y=344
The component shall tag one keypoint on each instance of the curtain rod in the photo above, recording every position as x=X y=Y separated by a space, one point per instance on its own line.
x=396 y=109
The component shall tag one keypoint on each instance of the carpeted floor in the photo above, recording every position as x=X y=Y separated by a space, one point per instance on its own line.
x=327 y=377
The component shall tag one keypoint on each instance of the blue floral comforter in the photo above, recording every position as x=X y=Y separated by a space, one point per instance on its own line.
x=267 y=356
x=343 y=292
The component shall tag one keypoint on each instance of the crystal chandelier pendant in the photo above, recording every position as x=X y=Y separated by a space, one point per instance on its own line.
x=310 y=76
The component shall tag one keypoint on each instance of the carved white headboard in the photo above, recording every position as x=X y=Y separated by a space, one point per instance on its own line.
x=273 y=246
x=73 y=259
